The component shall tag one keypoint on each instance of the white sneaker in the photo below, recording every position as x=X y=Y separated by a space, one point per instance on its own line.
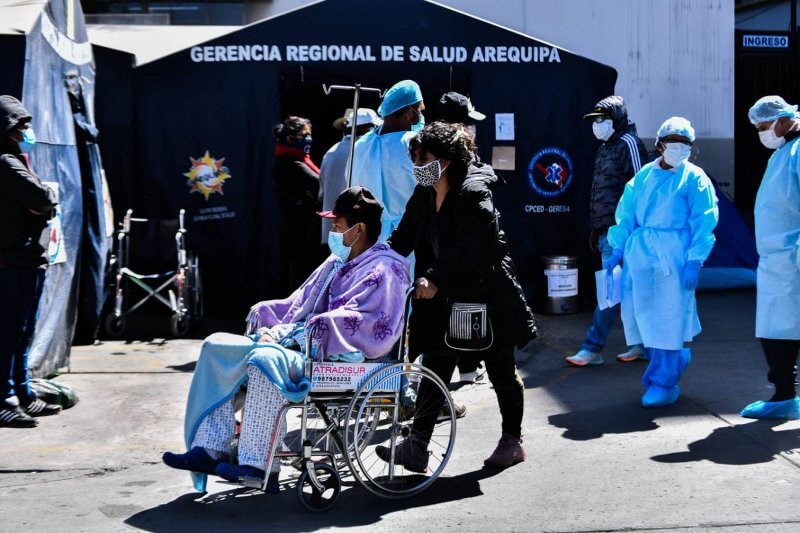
x=632 y=355
x=585 y=357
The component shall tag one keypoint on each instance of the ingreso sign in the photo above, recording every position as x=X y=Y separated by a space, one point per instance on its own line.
x=765 y=41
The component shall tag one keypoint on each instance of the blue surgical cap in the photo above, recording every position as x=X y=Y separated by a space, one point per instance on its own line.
x=401 y=94
x=771 y=108
x=676 y=126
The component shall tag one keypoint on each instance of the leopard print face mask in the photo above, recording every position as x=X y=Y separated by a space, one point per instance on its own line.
x=428 y=175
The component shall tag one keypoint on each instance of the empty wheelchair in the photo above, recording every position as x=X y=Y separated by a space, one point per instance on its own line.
x=151 y=261
x=352 y=409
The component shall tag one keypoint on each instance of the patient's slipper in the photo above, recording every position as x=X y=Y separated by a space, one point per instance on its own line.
x=195 y=460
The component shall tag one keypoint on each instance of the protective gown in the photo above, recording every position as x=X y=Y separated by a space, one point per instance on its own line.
x=665 y=219
x=777 y=217
x=382 y=164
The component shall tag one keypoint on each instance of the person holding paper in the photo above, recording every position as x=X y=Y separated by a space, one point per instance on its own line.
x=619 y=157
x=664 y=232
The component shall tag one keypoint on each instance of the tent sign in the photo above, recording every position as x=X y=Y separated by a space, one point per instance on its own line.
x=372 y=54
x=765 y=41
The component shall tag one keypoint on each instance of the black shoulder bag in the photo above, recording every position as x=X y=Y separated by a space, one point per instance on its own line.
x=469 y=328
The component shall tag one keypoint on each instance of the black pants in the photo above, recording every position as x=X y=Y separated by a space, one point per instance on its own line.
x=20 y=289
x=782 y=360
x=502 y=372
x=469 y=363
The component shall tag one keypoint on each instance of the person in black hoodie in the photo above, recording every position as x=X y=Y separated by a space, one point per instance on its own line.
x=296 y=179
x=26 y=204
x=618 y=158
x=452 y=227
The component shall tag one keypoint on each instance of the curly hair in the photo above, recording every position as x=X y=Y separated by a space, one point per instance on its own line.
x=448 y=141
x=291 y=126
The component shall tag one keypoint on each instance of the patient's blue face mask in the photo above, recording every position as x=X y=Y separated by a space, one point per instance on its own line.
x=336 y=244
x=28 y=140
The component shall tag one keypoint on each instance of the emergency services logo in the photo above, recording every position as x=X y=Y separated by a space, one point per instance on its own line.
x=207 y=175
x=550 y=172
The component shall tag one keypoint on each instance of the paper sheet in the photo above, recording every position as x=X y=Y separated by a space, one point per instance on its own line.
x=609 y=287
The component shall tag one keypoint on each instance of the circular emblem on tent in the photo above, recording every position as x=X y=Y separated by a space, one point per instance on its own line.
x=550 y=172
x=207 y=175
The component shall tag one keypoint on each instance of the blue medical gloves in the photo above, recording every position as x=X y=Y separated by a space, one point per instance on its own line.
x=614 y=260
x=690 y=274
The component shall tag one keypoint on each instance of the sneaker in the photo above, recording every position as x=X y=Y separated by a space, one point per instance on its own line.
x=195 y=460
x=509 y=452
x=634 y=354
x=585 y=357
x=411 y=454
x=472 y=377
x=14 y=417
x=39 y=408
x=459 y=408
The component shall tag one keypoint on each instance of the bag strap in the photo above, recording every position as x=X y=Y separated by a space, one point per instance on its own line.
x=434 y=230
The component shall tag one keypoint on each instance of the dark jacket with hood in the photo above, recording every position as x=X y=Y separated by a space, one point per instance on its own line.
x=473 y=264
x=617 y=160
x=26 y=204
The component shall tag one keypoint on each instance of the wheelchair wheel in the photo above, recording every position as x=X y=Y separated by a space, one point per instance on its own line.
x=115 y=326
x=311 y=497
x=179 y=325
x=376 y=474
x=196 y=288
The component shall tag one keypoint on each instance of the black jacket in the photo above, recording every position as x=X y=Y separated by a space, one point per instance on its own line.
x=298 y=191
x=473 y=264
x=617 y=160
x=26 y=204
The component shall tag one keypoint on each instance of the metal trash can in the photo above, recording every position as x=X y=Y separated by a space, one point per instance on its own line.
x=560 y=286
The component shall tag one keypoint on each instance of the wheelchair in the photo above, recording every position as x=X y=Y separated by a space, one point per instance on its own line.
x=158 y=245
x=351 y=409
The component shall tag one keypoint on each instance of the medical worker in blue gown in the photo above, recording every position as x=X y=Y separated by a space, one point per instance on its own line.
x=664 y=232
x=381 y=160
x=777 y=217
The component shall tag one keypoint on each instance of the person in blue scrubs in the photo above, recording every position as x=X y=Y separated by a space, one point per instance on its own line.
x=777 y=217
x=381 y=162
x=664 y=231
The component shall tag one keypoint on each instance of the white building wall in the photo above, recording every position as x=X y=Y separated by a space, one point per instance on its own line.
x=673 y=57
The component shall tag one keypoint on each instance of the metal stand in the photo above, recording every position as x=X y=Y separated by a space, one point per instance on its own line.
x=357 y=88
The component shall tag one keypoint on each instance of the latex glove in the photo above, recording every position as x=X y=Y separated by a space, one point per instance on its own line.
x=690 y=274
x=614 y=260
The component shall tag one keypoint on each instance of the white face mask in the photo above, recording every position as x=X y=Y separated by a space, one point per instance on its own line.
x=676 y=154
x=603 y=130
x=769 y=139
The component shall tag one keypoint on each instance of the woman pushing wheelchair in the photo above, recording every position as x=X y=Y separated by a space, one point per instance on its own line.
x=352 y=304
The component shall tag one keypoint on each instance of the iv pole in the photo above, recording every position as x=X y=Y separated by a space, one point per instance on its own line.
x=357 y=89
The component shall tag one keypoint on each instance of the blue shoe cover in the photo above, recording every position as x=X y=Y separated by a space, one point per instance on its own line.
x=785 y=410
x=659 y=396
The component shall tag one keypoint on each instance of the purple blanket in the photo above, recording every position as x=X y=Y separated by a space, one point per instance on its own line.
x=359 y=309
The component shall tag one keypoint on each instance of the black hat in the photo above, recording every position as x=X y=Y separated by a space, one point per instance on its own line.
x=358 y=202
x=455 y=107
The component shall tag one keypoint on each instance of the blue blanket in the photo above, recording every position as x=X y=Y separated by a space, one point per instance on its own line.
x=221 y=370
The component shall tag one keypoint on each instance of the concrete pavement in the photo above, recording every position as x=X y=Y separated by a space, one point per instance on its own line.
x=597 y=460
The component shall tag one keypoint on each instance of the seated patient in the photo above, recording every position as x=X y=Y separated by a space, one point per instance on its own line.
x=353 y=306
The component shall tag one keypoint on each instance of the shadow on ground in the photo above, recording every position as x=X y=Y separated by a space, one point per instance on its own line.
x=242 y=509
x=745 y=444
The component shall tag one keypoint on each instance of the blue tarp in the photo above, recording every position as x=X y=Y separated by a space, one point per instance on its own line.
x=55 y=46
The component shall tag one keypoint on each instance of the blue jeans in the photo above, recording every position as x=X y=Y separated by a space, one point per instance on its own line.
x=604 y=319
x=20 y=288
